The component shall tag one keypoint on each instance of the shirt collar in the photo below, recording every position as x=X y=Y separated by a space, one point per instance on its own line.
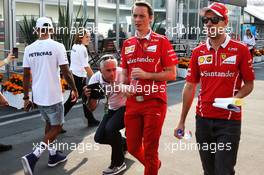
x=103 y=82
x=223 y=45
x=147 y=37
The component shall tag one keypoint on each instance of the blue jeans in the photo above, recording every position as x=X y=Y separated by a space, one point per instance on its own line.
x=53 y=114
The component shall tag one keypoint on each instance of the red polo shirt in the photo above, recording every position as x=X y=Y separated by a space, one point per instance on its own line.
x=152 y=54
x=220 y=74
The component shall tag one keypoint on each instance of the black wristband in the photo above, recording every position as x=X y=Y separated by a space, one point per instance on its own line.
x=25 y=97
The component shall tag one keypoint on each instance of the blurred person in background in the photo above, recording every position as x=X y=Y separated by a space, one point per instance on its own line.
x=3 y=100
x=80 y=69
x=250 y=41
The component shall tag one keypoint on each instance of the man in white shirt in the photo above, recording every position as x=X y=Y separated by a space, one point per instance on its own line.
x=110 y=77
x=43 y=59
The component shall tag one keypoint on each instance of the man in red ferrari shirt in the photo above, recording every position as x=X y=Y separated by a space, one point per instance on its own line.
x=220 y=66
x=148 y=61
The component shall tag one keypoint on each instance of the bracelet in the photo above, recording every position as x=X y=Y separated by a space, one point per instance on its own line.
x=6 y=61
x=26 y=98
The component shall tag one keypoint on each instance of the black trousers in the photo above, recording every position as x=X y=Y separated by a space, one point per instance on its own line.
x=218 y=142
x=108 y=133
x=80 y=82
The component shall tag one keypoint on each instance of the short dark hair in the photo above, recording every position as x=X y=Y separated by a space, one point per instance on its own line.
x=144 y=4
x=46 y=29
x=79 y=36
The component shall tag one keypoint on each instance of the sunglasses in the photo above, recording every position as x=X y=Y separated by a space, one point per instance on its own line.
x=214 y=20
x=106 y=57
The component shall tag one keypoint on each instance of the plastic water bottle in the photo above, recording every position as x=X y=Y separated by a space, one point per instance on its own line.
x=187 y=135
x=133 y=85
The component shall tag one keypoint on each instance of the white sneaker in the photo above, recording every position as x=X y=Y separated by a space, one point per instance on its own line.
x=115 y=169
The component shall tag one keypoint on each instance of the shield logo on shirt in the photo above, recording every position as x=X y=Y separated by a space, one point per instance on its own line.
x=209 y=59
x=223 y=56
x=205 y=59
x=129 y=49
x=201 y=60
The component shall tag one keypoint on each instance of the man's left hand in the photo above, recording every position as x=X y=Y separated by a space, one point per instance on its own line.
x=10 y=57
x=3 y=101
x=74 y=95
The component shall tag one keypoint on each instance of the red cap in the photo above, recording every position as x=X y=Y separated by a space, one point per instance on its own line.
x=218 y=8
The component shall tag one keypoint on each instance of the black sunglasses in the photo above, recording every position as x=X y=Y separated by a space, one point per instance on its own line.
x=214 y=20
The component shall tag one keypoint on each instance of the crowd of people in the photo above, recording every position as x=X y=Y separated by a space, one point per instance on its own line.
x=148 y=60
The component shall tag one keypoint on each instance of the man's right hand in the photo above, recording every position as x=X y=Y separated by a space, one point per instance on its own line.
x=91 y=103
x=74 y=95
x=181 y=126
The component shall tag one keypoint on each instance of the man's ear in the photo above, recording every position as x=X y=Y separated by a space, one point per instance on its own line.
x=226 y=22
x=151 y=19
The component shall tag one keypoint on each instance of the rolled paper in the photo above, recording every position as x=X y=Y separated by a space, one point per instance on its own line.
x=227 y=106
x=234 y=101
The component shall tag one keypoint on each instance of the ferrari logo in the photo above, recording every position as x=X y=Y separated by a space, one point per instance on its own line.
x=223 y=56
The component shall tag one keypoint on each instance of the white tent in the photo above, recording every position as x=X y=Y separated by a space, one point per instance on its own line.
x=256 y=11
